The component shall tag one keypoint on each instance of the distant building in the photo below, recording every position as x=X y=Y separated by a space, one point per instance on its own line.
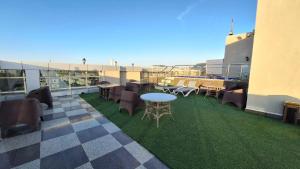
x=238 y=54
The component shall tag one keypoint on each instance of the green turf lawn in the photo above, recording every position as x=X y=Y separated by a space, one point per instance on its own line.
x=206 y=134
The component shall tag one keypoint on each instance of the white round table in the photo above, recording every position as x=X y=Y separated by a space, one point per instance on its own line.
x=158 y=105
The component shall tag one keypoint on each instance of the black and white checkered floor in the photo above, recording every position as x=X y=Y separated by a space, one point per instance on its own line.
x=75 y=135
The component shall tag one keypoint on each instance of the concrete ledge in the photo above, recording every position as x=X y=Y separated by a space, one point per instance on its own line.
x=265 y=114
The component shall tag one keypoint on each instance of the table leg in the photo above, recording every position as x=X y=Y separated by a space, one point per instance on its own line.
x=296 y=115
x=284 y=113
x=147 y=111
x=170 y=111
x=157 y=114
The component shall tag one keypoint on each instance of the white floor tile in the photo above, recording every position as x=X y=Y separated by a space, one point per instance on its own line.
x=100 y=146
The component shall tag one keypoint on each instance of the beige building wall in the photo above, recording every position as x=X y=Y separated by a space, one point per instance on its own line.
x=275 y=69
x=238 y=47
x=112 y=76
x=133 y=75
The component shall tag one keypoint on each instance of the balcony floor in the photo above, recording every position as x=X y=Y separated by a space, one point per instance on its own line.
x=75 y=135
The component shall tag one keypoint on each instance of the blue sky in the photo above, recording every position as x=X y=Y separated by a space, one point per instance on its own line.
x=143 y=32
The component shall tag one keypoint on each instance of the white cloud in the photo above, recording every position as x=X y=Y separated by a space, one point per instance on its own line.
x=188 y=9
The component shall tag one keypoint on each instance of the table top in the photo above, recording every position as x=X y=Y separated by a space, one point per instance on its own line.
x=139 y=83
x=158 y=97
x=108 y=85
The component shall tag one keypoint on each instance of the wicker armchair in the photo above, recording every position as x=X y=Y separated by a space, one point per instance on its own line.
x=43 y=94
x=129 y=101
x=27 y=111
x=115 y=93
x=237 y=96
x=132 y=87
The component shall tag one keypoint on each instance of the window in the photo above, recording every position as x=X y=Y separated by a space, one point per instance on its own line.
x=12 y=81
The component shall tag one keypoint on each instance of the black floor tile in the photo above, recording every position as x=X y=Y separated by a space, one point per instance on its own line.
x=120 y=159
x=75 y=157
x=57 y=131
x=54 y=161
x=4 y=161
x=154 y=163
x=91 y=133
x=24 y=155
x=68 y=159
x=81 y=117
x=122 y=138
x=54 y=116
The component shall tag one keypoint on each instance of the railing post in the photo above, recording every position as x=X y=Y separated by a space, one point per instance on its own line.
x=241 y=73
x=228 y=70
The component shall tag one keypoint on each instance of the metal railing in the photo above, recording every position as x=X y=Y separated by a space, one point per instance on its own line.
x=238 y=71
x=12 y=82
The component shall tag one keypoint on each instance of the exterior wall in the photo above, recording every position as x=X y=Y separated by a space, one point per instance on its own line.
x=275 y=69
x=112 y=76
x=133 y=75
x=238 y=47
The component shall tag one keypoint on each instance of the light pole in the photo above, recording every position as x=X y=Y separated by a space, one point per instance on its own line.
x=83 y=61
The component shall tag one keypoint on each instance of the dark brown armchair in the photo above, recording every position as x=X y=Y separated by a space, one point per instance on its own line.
x=115 y=93
x=43 y=94
x=27 y=111
x=129 y=101
x=132 y=87
x=237 y=96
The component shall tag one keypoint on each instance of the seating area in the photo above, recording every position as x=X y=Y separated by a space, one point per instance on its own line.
x=228 y=91
x=110 y=128
x=72 y=135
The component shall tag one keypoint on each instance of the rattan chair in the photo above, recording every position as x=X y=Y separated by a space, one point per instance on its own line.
x=129 y=101
x=27 y=111
x=43 y=94
x=115 y=93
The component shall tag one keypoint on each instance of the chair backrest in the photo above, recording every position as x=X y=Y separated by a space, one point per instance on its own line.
x=118 y=90
x=192 y=84
x=128 y=97
x=132 y=87
x=180 y=83
x=112 y=91
x=104 y=82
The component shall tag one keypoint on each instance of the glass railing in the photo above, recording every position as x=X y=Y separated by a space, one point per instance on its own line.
x=12 y=81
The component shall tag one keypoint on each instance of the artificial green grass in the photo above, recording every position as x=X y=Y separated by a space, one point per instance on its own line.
x=206 y=134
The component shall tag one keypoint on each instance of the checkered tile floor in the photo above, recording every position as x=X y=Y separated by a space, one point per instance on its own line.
x=74 y=135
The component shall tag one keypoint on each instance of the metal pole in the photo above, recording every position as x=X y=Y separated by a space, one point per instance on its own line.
x=86 y=78
x=70 y=87
x=228 y=70
x=241 y=73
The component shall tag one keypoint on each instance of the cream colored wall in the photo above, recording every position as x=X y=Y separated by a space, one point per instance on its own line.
x=113 y=76
x=275 y=69
x=133 y=76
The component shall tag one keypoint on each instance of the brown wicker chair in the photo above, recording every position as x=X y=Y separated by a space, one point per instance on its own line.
x=237 y=96
x=115 y=93
x=132 y=87
x=129 y=101
x=43 y=94
x=27 y=111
